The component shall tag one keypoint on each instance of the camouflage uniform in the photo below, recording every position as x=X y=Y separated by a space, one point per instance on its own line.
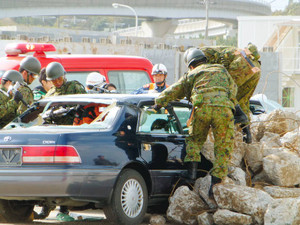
x=69 y=87
x=213 y=94
x=8 y=108
x=238 y=69
x=27 y=97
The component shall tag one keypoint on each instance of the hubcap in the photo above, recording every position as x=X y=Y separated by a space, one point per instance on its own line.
x=132 y=198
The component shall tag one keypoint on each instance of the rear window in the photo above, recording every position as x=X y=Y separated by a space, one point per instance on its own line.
x=128 y=81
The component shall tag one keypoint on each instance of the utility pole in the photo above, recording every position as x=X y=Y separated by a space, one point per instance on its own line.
x=206 y=2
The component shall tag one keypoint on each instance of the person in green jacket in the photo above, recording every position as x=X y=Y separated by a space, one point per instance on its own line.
x=212 y=92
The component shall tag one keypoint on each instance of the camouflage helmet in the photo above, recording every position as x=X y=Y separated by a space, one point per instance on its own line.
x=30 y=64
x=195 y=55
x=186 y=53
x=13 y=76
x=54 y=70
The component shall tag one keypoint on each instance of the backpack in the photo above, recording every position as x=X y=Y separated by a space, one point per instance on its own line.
x=242 y=64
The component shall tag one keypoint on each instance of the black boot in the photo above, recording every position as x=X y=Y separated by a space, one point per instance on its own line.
x=239 y=115
x=191 y=173
x=214 y=180
x=192 y=170
x=246 y=131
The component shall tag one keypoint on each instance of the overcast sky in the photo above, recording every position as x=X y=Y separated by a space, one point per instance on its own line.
x=278 y=4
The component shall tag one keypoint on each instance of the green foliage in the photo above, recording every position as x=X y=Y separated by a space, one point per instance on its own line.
x=293 y=9
x=95 y=23
x=228 y=41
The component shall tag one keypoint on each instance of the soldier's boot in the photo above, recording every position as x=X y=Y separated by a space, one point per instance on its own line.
x=192 y=170
x=191 y=174
x=247 y=132
x=239 y=115
x=214 y=180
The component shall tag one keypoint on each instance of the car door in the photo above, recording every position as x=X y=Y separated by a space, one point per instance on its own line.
x=161 y=137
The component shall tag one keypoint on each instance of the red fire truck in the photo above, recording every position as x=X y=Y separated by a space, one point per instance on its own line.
x=127 y=73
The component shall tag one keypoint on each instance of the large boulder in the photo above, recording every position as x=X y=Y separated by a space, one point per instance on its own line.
x=280 y=122
x=205 y=218
x=283 y=211
x=237 y=175
x=184 y=206
x=254 y=156
x=282 y=192
x=291 y=140
x=242 y=199
x=283 y=168
x=227 y=217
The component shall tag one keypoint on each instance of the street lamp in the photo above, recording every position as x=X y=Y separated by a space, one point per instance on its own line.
x=116 y=5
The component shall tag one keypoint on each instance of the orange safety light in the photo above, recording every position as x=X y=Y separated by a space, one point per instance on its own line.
x=39 y=49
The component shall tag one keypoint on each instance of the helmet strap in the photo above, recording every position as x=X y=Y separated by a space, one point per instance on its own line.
x=159 y=83
x=27 y=80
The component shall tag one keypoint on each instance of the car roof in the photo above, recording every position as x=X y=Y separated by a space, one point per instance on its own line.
x=103 y=98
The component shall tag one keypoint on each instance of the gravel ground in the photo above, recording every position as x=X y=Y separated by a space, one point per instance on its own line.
x=87 y=213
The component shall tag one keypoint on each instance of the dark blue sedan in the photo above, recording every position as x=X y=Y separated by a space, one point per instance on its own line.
x=127 y=158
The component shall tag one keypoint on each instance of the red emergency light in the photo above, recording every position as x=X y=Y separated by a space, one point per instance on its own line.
x=39 y=49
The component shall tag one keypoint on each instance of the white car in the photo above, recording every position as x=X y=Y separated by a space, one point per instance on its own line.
x=259 y=104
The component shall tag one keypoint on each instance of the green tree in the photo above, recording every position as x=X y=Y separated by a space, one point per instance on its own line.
x=228 y=41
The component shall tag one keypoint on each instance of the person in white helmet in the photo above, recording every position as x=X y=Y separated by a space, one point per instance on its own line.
x=159 y=73
x=93 y=82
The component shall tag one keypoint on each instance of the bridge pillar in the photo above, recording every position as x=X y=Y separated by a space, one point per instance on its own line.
x=159 y=28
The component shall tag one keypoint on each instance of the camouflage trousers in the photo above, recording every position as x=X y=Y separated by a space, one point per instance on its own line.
x=245 y=91
x=220 y=119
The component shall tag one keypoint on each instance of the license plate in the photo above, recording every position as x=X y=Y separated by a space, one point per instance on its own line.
x=10 y=157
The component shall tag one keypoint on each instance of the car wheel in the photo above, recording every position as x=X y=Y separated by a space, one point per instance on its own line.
x=15 y=211
x=129 y=200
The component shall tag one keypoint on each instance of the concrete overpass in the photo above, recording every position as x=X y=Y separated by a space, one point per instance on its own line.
x=161 y=16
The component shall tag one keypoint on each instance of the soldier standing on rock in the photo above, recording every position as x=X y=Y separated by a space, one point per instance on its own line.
x=213 y=94
x=244 y=67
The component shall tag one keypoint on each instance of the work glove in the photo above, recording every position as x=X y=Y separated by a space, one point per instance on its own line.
x=240 y=116
x=246 y=131
x=157 y=107
x=18 y=96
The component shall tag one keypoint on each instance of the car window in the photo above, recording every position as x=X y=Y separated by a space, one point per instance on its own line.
x=128 y=81
x=79 y=76
x=183 y=114
x=161 y=122
x=256 y=108
x=106 y=118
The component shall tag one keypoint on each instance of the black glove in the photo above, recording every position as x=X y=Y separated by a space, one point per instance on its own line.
x=157 y=107
x=246 y=131
x=18 y=96
x=240 y=116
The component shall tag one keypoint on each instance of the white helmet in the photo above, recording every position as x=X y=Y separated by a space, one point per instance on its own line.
x=159 y=69
x=95 y=78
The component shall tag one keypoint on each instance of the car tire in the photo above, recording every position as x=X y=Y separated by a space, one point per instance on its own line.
x=129 y=200
x=15 y=211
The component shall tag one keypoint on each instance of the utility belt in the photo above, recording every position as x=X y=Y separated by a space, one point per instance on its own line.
x=214 y=94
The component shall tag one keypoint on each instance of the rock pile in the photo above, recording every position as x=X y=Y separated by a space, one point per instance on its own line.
x=263 y=182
